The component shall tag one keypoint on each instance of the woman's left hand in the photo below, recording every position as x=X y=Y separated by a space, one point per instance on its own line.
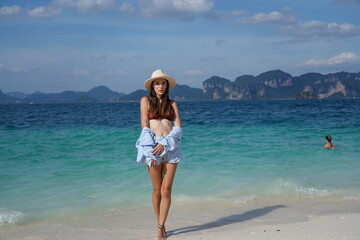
x=158 y=149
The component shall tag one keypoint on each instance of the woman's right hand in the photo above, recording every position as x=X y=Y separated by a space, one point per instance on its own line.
x=158 y=149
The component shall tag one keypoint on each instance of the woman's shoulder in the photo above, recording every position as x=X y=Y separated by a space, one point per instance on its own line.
x=144 y=102
x=173 y=102
x=144 y=99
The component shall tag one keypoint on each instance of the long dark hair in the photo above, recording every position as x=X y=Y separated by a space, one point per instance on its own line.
x=156 y=109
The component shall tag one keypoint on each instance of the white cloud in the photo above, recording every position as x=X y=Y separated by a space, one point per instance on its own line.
x=343 y=58
x=218 y=16
x=98 y=56
x=109 y=73
x=84 y=5
x=287 y=9
x=56 y=6
x=236 y=13
x=18 y=70
x=181 y=9
x=273 y=18
x=241 y=17
x=287 y=24
x=320 y=30
x=127 y=8
x=9 y=11
x=44 y=12
x=80 y=72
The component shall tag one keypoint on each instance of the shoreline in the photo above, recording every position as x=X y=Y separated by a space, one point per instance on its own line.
x=294 y=218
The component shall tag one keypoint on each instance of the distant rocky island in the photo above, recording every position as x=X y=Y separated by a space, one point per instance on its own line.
x=277 y=84
x=274 y=84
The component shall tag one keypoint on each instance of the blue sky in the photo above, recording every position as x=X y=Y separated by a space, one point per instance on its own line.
x=58 y=45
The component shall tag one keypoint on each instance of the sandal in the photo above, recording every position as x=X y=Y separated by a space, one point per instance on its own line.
x=162 y=228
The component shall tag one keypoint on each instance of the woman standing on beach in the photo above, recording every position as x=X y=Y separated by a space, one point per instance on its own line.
x=159 y=142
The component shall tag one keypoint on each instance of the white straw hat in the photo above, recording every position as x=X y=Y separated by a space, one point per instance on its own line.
x=159 y=74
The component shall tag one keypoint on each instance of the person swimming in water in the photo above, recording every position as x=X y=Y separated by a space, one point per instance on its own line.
x=329 y=144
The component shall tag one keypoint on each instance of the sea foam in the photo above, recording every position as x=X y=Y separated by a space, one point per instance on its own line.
x=8 y=216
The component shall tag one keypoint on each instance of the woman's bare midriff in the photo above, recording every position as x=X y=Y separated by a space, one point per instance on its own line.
x=161 y=127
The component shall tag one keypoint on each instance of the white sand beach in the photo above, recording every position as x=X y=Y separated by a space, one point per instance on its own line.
x=260 y=220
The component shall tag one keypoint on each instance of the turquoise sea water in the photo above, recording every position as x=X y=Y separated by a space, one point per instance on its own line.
x=62 y=158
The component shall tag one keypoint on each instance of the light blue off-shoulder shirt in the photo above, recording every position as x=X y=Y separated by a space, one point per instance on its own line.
x=171 y=142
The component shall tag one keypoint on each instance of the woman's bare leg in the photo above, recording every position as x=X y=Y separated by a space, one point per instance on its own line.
x=155 y=173
x=162 y=178
x=169 y=170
